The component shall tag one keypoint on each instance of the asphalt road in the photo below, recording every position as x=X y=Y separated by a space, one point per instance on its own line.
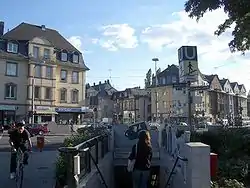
x=52 y=142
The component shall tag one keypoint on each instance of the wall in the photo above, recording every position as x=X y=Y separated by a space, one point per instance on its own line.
x=20 y=81
x=164 y=94
x=93 y=179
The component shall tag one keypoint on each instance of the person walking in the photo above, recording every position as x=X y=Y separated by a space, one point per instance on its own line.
x=142 y=154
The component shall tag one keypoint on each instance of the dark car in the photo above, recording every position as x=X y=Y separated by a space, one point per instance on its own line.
x=134 y=130
x=36 y=129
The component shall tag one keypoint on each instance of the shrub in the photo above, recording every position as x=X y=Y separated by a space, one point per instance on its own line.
x=233 y=149
x=227 y=183
x=83 y=135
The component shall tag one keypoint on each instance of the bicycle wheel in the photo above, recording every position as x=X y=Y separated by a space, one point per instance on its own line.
x=19 y=176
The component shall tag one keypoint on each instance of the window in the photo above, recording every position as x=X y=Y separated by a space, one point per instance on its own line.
x=63 y=75
x=63 y=95
x=64 y=56
x=35 y=52
x=10 y=91
x=75 y=58
x=46 y=53
x=38 y=71
x=48 y=93
x=37 y=92
x=49 y=72
x=11 y=69
x=75 y=96
x=75 y=77
x=164 y=104
x=12 y=47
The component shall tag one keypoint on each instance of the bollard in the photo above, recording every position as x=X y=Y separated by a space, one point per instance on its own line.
x=40 y=142
x=213 y=165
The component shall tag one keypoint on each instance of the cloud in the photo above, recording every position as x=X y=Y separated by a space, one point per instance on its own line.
x=214 y=53
x=117 y=36
x=77 y=42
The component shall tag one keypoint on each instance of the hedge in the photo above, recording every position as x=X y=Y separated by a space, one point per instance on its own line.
x=82 y=135
x=233 y=149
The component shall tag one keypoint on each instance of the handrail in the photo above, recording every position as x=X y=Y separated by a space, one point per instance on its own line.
x=172 y=171
x=85 y=159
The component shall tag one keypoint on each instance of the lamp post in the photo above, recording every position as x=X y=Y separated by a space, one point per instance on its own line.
x=32 y=96
x=155 y=60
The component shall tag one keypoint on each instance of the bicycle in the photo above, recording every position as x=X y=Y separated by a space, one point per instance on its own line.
x=19 y=169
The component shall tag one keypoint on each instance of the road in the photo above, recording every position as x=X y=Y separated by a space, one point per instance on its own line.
x=40 y=172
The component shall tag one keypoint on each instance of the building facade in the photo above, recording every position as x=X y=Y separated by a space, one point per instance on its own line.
x=99 y=96
x=41 y=72
x=168 y=76
x=226 y=100
x=132 y=104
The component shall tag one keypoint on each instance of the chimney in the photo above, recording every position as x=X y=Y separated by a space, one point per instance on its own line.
x=100 y=82
x=1 y=28
x=108 y=81
x=94 y=84
x=43 y=27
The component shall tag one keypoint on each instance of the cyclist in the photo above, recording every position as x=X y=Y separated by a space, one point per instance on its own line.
x=18 y=139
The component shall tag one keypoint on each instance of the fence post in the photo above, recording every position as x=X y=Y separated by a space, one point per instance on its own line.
x=69 y=152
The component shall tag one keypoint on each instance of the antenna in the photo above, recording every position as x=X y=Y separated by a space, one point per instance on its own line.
x=110 y=76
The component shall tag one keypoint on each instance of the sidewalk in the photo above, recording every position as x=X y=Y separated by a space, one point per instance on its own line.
x=39 y=173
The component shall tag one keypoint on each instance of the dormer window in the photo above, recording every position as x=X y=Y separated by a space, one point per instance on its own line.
x=64 y=56
x=12 y=47
x=75 y=58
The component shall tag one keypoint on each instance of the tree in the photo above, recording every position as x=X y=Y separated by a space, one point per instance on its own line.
x=148 y=79
x=238 y=12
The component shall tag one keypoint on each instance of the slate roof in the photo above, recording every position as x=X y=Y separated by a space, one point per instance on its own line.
x=233 y=84
x=209 y=78
x=26 y=32
x=103 y=88
x=223 y=82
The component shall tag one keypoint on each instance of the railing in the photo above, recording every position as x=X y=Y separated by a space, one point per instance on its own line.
x=81 y=158
x=172 y=171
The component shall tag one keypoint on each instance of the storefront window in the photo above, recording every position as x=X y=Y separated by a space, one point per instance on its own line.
x=7 y=117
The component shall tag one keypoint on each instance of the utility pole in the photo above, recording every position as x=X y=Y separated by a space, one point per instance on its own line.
x=190 y=101
x=155 y=60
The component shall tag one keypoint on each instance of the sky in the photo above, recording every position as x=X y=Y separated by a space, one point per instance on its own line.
x=118 y=39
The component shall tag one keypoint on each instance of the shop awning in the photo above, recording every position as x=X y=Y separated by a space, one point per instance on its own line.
x=45 y=112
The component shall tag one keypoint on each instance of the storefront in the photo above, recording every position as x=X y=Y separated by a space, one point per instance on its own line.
x=7 y=114
x=65 y=115
x=44 y=114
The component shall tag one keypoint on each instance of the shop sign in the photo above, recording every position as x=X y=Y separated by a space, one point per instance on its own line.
x=43 y=108
x=68 y=109
x=7 y=107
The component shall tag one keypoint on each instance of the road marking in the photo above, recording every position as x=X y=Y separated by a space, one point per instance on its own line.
x=46 y=139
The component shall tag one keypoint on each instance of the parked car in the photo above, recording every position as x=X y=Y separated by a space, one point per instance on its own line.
x=36 y=129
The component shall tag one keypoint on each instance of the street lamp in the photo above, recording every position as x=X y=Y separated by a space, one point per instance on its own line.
x=155 y=60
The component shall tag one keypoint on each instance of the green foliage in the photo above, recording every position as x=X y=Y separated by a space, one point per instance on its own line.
x=238 y=12
x=233 y=149
x=83 y=135
x=227 y=183
x=148 y=79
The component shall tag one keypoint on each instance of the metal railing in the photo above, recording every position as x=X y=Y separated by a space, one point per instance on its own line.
x=88 y=153
x=172 y=171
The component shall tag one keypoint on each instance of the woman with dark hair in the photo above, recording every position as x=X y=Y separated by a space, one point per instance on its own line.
x=142 y=153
